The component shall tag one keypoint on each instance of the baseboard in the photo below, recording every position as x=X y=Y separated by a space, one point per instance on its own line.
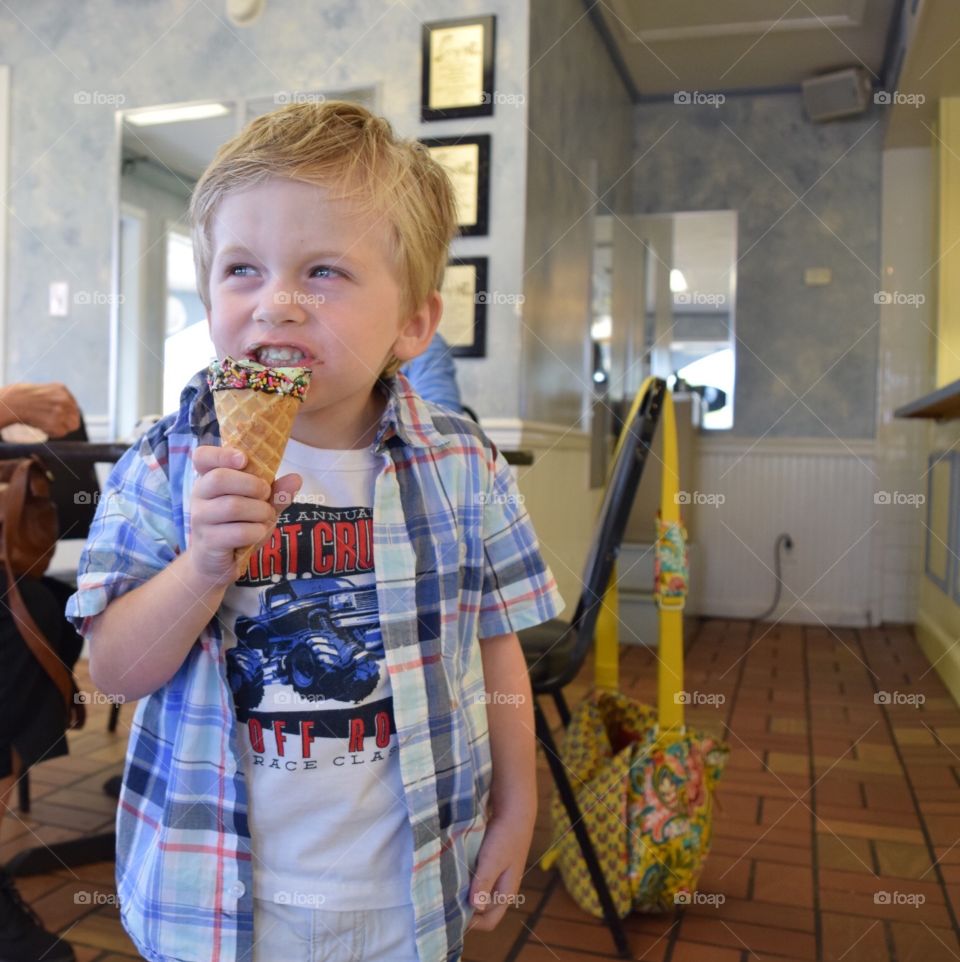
x=841 y=616
x=942 y=651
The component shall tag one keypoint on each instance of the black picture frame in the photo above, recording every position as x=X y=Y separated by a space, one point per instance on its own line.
x=478 y=346
x=481 y=227
x=485 y=107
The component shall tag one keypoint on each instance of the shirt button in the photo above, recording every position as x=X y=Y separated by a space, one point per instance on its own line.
x=237 y=889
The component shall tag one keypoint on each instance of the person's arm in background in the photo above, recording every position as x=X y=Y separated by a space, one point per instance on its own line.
x=434 y=375
x=49 y=407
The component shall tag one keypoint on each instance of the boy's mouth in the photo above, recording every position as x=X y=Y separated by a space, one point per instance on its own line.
x=277 y=355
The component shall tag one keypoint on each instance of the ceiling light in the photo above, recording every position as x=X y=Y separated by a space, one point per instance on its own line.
x=243 y=12
x=172 y=115
x=678 y=282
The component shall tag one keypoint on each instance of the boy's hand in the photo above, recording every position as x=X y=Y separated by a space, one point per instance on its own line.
x=231 y=509
x=500 y=864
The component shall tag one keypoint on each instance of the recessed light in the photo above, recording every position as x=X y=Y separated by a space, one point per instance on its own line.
x=172 y=115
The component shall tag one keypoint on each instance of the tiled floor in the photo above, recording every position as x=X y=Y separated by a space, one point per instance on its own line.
x=837 y=835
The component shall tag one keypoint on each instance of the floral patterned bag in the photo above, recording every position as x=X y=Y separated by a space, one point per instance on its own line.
x=643 y=782
x=647 y=802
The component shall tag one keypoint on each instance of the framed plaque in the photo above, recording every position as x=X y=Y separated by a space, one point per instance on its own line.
x=467 y=161
x=457 y=68
x=464 y=293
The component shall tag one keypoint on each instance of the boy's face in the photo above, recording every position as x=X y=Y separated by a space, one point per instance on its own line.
x=299 y=278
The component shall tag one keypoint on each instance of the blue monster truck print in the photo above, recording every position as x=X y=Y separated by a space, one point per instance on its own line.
x=320 y=637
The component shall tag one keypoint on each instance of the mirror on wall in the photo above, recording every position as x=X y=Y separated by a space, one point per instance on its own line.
x=664 y=298
x=689 y=327
x=160 y=336
x=703 y=285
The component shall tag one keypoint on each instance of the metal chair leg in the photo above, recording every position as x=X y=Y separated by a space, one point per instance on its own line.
x=562 y=708
x=23 y=789
x=580 y=831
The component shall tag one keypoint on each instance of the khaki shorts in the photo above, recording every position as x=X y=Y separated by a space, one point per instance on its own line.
x=294 y=933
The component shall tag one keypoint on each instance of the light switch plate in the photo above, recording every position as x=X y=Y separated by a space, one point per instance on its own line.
x=59 y=299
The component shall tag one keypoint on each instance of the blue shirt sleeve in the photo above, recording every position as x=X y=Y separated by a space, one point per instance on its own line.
x=132 y=537
x=434 y=375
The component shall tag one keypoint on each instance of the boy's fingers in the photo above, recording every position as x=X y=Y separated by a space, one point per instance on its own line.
x=220 y=482
x=284 y=490
x=480 y=889
x=206 y=457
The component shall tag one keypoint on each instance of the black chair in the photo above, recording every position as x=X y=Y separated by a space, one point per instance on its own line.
x=555 y=651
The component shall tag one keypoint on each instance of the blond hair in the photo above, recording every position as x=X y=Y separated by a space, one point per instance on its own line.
x=344 y=147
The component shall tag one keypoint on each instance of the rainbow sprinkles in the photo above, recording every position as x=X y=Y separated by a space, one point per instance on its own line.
x=230 y=374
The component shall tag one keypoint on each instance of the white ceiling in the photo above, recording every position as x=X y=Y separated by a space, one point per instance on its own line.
x=185 y=147
x=723 y=45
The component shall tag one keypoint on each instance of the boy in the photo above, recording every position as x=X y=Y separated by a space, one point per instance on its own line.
x=309 y=777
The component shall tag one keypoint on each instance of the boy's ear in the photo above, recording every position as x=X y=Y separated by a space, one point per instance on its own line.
x=418 y=330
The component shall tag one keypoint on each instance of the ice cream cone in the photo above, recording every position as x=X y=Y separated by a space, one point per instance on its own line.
x=256 y=408
x=258 y=424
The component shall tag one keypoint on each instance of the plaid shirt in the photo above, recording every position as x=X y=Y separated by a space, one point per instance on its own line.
x=456 y=560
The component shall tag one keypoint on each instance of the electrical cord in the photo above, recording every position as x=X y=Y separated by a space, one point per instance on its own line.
x=787 y=542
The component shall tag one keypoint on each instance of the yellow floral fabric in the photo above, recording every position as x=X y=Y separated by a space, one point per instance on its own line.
x=647 y=803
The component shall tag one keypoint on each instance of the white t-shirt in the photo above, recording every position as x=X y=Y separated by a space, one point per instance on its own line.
x=328 y=819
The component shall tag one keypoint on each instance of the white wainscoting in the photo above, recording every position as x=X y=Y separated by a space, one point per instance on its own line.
x=98 y=427
x=821 y=492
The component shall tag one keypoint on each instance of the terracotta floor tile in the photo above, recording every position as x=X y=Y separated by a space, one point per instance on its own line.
x=765 y=871
x=850 y=854
x=593 y=936
x=900 y=860
x=893 y=795
x=853 y=939
x=740 y=848
x=836 y=790
x=896 y=902
x=727 y=876
x=779 y=834
x=944 y=829
x=737 y=805
x=695 y=952
x=742 y=935
x=917 y=943
x=786 y=884
x=907 y=819
x=863 y=882
x=886 y=833
x=538 y=952
x=787 y=917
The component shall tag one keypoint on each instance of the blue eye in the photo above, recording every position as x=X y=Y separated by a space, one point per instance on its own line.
x=232 y=271
x=327 y=270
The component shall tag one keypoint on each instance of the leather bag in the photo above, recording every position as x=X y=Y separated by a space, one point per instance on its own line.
x=28 y=538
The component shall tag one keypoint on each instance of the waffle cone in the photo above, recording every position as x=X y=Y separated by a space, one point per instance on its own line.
x=259 y=424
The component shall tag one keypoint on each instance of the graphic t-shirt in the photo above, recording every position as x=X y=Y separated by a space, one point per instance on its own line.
x=305 y=661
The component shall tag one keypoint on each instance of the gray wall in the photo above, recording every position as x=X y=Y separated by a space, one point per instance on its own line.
x=64 y=163
x=580 y=113
x=757 y=155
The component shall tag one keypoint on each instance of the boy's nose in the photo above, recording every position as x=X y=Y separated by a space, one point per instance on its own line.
x=282 y=304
